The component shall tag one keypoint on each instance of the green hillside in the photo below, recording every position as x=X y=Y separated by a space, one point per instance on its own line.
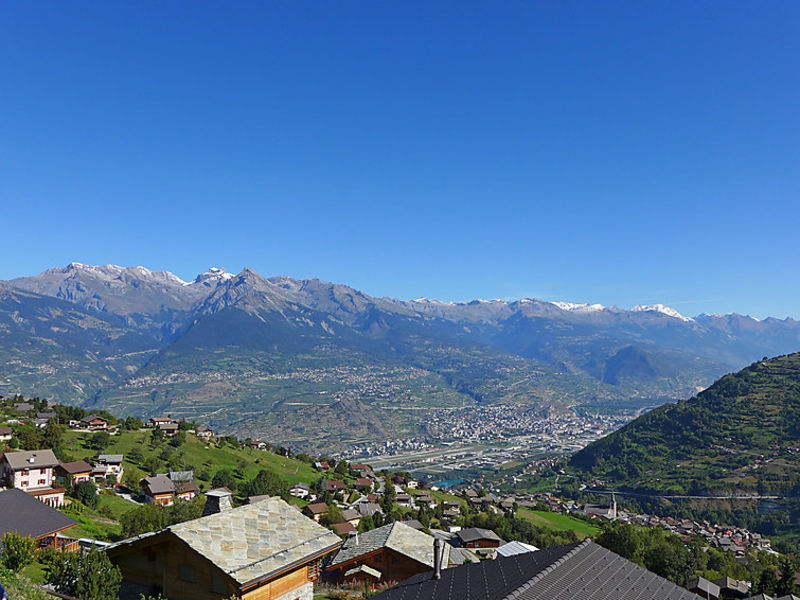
x=740 y=436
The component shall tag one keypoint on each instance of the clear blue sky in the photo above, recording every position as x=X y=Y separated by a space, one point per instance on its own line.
x=620 y=153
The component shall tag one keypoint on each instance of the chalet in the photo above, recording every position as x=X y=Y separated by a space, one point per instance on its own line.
x=403 y=500
x=32 y=471
x=322 y=466
x=5 y=434
x=21 y=513
x=73 y=472
x=204 y=433
x=258 y=445
x=185 y=489
x=364 y=483
x=358 y=468
x=476 y=537
x=352 y=516
x=262 y=551
x=299 y=490
x=582 y=570
x=46 y=416
x=169 y=429
x=703 y=587
x=396 y=551
x=109 y=464
x=156 y=421
x=367 y=509
x=315 y=511
x=343 y=529
x=158 y=489
x=332 y=485
x=23 y=407
x=95 y=423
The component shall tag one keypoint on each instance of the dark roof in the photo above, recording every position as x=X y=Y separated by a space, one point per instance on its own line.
x=476 y=533
x=28 y=516
x=159 y=484
x=584 y=571
x=5 y=431
x=91 y=418
x=78 y=466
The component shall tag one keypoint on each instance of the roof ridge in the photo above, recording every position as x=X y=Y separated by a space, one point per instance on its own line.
x=558 y=562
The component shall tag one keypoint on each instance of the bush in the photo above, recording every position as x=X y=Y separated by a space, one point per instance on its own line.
x=90 y=576
x=86 y=493
x=18 y=551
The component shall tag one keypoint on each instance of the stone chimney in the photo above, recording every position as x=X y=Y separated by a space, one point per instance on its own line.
x=437 y=558
x=217 y=501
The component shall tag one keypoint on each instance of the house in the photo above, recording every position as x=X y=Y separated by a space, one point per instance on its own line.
x=5 y=434
x=476 y=537
x=333 y=485
x=299 y=490
x=95 y=423
x=322 y=466
x=169 y=429
x=396 y=551
x=73 y=472
x=730 y=589
x=109 y=464
x=403 y=500
x=23 y=514
x=316 y=510
x=364 y=483
x=32 y=471
x=158 y=489
x=262 y=551
x=156 y=421
x=352 y=516
x=367 y=509
x=185 y=489
x=356 y=468
x=582 y=570
x=343 y=529
x=23 y=407
x=204 y=433
x=414 y=524
x=258 y=445
x=46 y=416
x=703 y=588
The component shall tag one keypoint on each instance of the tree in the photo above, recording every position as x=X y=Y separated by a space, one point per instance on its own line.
x=151 y=465
x=157 y=436
x=334 y=515
x=52 y=436
x=342 y=468
x=178 y=439
x=366 y=524
x=135 y=455
x=18 y=551
x=90 y=576
x=100 y=441
x=265 y=483
x=224 y=478
x=86 y=493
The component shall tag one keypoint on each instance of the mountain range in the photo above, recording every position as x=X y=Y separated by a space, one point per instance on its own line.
x=316 y=364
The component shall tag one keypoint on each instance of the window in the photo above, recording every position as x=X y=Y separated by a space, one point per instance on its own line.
x=42 y=481
x=186 y=573
x=217 y=585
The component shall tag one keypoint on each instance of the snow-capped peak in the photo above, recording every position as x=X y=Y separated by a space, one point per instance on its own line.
x=213 y=274
x=114 y=271
x=661 y=308
x=573 y=307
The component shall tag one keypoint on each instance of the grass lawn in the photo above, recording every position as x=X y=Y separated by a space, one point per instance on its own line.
x=34 y=572
x=558 y=522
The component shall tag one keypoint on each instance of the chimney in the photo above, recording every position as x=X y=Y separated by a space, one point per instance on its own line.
x=437 y=558
x=217 y=501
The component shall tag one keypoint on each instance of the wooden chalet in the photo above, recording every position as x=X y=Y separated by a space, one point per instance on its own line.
x=95 y=423
x=73 y=472
x=395 y=551
x=262 y=551
x=23 y=514
x=476 y=537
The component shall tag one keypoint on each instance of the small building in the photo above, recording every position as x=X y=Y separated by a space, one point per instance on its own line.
x=21 y=513
x=109 y=464
x=33 y=471
x=343 y=529
x=95 y=423
x=703 y=588
x=403 y=500
x=185 y=488
x=395 y=550
x=514 y=548
x=204 y=433
x=299 y=490
x=364 y=484
x=477 y=537
x=24 y=407
x=352 y=516
x=73 y=472
x=367 y=509
x=6 y=434
x=316 y=510
x=169 y=429
x=158 y=489
x=262 y=551
x=322 y=466
x=333 y=485
x=258 y=445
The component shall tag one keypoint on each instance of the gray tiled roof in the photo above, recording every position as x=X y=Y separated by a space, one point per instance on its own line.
x=256 y=540
x=584 y=571
x=396 y=536
x=110 y=458
x=28 y=459
x=28 y=516
x=476 y=533
x=159 y=484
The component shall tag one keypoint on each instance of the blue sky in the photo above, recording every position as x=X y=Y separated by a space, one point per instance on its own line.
x=621 y=153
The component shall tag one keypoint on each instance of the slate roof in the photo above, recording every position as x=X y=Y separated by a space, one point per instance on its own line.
x=75 y=467
x=366 y=569
x=581 y=571
x=159 y=484
x=110 y=458
x=476 y=533
x=396 y=536
x=41 y=458
x=28 y=516
x=255 y=541
x=6 y=431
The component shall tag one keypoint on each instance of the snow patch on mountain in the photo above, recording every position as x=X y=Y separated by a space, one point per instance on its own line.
x=661 y=308
x=582 y=308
